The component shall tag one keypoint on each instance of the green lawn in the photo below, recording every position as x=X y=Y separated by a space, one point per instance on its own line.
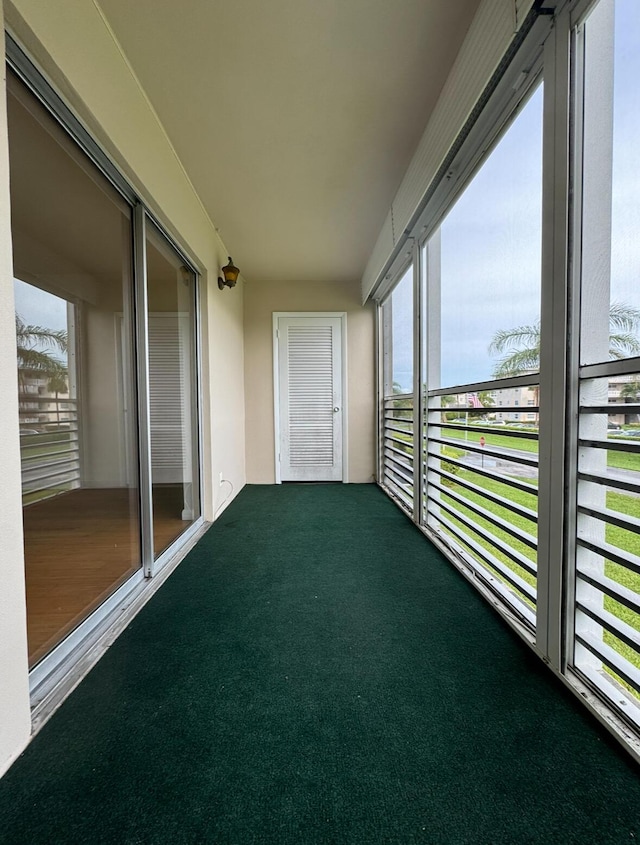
x=469 y=519
x=40 y=495
x=493 y=439
x=630 y=542
x=623 y=460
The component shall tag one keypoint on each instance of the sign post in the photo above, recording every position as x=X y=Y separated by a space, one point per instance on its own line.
x=482 y=442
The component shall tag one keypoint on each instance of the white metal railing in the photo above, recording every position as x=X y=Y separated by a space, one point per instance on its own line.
x=479 y=480
x=49 y=446
x=480 y=486
x=606 y=619
x=398 y=448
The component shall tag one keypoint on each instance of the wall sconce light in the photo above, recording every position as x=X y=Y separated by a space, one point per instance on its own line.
x=230 y=273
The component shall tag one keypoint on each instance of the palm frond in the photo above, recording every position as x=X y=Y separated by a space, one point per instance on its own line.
x=518 y=362
x=624 y=318
x=39 y=363
x=623 y=345
x=36 y=347
x=58 y=383
x=30 y=336
x=507 y=339
x=523 y=342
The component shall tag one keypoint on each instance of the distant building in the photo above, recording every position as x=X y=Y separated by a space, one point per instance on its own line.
x=616 y=385
x=515 y=397
x=39 y=407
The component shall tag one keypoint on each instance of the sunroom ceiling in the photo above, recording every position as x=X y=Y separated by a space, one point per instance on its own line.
x=294 y=119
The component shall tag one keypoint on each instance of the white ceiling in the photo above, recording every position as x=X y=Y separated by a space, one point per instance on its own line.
x=295 y=119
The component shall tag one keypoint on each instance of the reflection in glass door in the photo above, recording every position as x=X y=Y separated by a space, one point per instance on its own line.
x=110 y=471
x=72 y=258
x=172 y=379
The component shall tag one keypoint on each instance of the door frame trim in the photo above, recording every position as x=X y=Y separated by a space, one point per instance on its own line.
x=342 y=315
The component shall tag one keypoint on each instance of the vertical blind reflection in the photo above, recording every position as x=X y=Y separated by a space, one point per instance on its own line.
x=171 y=321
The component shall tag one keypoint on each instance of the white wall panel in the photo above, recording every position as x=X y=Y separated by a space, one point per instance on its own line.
x=15 y=718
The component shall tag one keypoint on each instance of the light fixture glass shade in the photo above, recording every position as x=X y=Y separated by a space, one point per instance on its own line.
x=230 y=273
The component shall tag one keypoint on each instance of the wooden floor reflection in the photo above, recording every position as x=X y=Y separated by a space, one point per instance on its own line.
x=81 y=546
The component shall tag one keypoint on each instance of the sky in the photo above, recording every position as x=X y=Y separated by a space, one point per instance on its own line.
x=39 y=308
x=491 y=242
x=401 y=322
x=625 y=237
x=491 y=238
x=490 y=266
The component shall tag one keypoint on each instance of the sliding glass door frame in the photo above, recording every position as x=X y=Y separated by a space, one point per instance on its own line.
x=55 y=666
x=59 y=662
x=144 y=411
x=152 y=563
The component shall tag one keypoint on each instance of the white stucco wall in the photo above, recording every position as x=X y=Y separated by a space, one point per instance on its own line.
x=14 y=689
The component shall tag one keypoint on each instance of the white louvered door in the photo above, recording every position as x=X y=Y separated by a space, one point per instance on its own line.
x=310 y=398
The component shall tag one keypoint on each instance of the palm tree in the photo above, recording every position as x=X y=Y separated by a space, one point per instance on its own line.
x=521 y=346
x=629 y=391
x=486 y=398
x=36 y=348
x=34 y=361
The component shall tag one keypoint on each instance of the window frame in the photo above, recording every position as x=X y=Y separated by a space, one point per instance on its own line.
x=551 y=47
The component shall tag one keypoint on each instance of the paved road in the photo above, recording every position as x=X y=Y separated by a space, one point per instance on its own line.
x=503 y=466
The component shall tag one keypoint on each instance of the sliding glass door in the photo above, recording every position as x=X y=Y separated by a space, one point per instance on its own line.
x=73 y=291
x=89 y=534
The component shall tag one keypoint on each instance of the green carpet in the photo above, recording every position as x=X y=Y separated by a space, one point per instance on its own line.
x=315 y=672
